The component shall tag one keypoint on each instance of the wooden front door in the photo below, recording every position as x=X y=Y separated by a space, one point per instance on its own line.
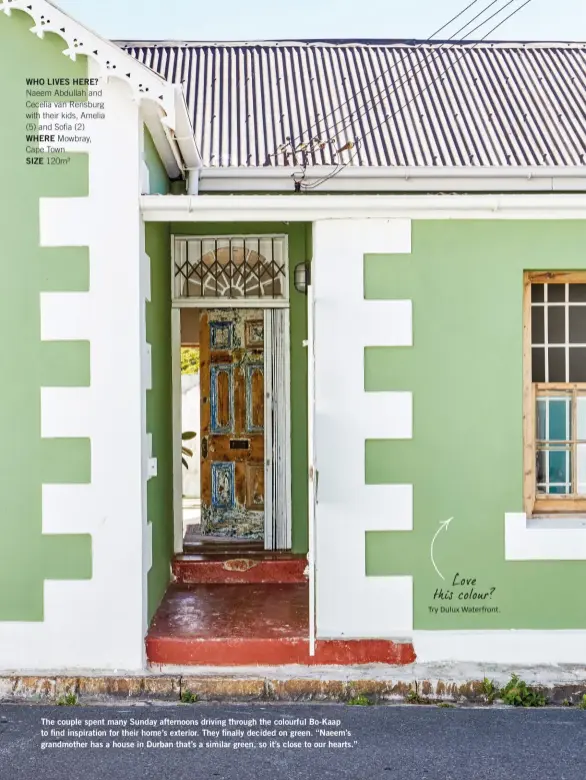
x=232 y=423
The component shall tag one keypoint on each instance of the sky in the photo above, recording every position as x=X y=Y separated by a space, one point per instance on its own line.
x=246 y=20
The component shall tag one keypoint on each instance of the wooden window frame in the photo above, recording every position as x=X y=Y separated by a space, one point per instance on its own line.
x=553 y=504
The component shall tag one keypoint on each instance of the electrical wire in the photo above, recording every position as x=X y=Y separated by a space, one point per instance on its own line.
x=385 y=72
x=434 y=54
x=341 y=166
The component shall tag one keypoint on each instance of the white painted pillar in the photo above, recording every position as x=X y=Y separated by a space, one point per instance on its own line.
x=98 y=623
x=350 y=604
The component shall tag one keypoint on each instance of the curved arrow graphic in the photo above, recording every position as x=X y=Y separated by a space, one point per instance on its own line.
x=444 y=524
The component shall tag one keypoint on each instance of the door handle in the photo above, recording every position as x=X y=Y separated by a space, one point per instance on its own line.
x=204 y=447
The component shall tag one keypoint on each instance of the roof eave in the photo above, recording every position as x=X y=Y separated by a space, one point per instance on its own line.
x=400 y=179
x=308 y=208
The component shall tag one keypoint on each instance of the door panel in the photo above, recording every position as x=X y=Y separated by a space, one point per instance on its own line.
x=255 y=486
x=232 y=423
x=255 y=391
x=221 y=399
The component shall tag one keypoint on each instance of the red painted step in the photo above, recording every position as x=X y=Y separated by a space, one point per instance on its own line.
x=240 y=568
x=252 y=624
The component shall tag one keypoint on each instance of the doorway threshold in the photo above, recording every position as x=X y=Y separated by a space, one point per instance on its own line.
x=223 y=565
x=197 y=542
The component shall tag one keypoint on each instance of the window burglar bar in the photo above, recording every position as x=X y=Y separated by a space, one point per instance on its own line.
x=245 y=267
x=560 y=440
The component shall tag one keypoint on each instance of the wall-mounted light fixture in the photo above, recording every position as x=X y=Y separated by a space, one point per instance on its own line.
x=301 y=277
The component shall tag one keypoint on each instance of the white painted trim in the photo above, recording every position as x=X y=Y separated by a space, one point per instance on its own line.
x=230 y=303
x=277 y=376
x=269 y=541
x=110 y=59
x=176 y=400
x=277 y=410
x=408 y=172
x=527 y=542
x=152 y=116
x=149 y=89
x=400 y=179
x=557 y=522
x=287 y=432
x=312 y=473
x=183 y=134
x=300 y=208
x=506 y=647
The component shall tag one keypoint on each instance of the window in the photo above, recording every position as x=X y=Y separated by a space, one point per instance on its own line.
x=242 y=268
x=554 y=395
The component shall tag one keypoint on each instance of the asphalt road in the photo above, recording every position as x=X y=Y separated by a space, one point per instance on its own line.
x=382 y=743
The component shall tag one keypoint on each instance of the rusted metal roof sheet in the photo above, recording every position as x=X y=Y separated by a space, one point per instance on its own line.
x=391 y=103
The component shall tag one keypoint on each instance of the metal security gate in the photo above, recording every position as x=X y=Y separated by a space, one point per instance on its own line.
x=277 y=431
x=312 y=470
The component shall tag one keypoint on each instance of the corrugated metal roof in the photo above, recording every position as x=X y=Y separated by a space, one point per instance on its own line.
x=399 y=103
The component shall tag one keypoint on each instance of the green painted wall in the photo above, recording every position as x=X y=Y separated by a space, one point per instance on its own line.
x=160 y=411
x=299 y=241
x=27 y=557
x=158 y=179
x=465 y=460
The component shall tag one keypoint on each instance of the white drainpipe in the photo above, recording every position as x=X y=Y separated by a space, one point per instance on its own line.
x=193 y=181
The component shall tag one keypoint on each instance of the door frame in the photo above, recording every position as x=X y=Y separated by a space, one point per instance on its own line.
x=220 y=303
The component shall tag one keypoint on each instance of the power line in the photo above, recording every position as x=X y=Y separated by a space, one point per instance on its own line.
x=453 y=19
x=341 y=166
x=368 y=105
x=316 y=121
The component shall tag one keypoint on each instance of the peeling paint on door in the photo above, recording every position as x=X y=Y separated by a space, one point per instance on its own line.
x=232 y=423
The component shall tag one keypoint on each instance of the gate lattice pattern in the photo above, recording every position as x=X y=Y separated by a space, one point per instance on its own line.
x=247 y=267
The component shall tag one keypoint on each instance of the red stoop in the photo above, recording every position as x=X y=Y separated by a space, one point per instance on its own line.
x=212 y=616
x=239 y=568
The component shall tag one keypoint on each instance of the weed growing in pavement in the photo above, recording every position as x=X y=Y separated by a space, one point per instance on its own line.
x=187 y=697
x=359 y=701
x=69 y=700
x=517 y=693
x=490 y=690
x=413 y=697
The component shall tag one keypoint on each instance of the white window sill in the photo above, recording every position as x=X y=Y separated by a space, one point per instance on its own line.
x=556 y=522
x=545 y=537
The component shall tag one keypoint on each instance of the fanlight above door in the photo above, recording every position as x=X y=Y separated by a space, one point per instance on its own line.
x=236 y=268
